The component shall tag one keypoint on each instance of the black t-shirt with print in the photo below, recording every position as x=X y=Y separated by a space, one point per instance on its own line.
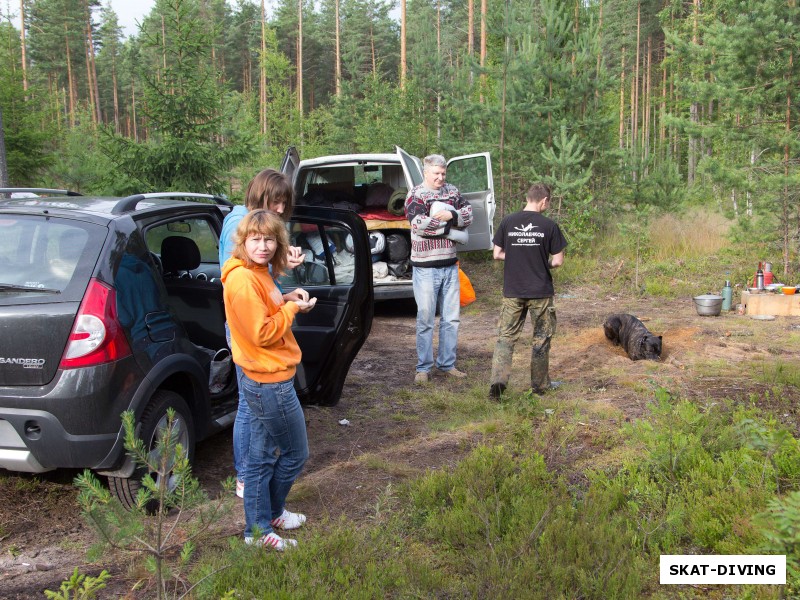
x=528 y=238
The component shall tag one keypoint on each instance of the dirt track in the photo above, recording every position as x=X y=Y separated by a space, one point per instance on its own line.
x=42 y=536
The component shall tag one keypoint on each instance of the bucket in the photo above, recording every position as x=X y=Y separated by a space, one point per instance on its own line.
x=708 y=305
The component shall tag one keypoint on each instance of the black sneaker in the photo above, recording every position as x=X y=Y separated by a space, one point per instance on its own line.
x=496 y=390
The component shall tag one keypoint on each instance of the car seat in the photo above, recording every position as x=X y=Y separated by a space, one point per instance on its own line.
x=197 y=302
x=179 y=255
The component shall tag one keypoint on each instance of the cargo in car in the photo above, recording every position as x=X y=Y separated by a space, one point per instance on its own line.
x=375 y=186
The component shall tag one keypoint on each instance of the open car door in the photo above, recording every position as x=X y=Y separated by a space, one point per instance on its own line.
x=290 y=162
x=472 y=175
x=411 y=168
x=338 y=273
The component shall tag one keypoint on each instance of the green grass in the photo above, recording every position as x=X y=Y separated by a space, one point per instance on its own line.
x=777 y=373
x=561 y=501
x=504 y=523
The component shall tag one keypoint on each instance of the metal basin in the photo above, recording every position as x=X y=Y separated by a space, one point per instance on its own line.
x=708 y=305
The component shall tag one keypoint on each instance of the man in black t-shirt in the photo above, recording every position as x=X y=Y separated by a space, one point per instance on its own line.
x=531 y=246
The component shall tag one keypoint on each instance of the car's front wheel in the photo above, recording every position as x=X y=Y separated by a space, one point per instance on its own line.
x=152 y=427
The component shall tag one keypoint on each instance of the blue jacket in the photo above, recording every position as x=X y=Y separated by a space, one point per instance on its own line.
x=229 y=226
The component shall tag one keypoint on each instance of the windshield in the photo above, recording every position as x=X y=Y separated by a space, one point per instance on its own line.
x=41 y=255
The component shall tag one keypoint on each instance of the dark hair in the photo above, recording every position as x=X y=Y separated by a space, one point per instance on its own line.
x=269 y=186
x=538 y=192
x=267 y=223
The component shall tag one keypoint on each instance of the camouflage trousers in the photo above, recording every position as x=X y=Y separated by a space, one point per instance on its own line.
x=509 y=328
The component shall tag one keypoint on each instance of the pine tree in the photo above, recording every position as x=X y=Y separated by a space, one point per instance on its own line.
x=188 y=147
x=109 y=74
x=747 y=55
x=27 y=133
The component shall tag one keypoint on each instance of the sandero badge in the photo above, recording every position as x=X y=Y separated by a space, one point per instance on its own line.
x=25 y=363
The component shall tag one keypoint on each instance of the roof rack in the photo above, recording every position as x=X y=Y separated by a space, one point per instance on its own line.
x=52 y=192
x=128 y=204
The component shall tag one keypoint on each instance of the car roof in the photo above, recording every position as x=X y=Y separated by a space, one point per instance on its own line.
x=349 y=159
x=111 y=207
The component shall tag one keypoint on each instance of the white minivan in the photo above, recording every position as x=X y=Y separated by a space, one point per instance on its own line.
x=375 y=186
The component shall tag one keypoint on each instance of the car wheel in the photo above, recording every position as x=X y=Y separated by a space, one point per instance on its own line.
x=152 y=426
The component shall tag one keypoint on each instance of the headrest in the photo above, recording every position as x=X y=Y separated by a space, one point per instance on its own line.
x=179 y=254
x=71 y=243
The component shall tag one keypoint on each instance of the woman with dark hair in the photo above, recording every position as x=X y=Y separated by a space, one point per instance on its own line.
x=263 y=345
x=271 y=190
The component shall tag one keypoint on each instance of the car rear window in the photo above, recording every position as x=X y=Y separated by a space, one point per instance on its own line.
x=42 y=256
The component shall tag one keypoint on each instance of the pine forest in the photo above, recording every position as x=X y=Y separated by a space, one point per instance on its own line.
x=625 y=106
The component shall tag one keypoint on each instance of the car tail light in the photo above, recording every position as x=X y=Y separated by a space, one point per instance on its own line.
x=96 y=336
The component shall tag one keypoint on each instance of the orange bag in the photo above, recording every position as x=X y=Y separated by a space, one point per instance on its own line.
x=467 y=291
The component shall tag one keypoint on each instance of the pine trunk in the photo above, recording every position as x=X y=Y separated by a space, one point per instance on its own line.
x=503 y=190
x=635 y=82
x=694 y=109
x=647 y=93
x=300 y=57
x=622 y=102
x=599 y=54
x=788 y=208
x=470 y=27
x=338 y=57
x=89 y=83
x=662 y=128
x=439 y=62
x=372 y=50
x=3 y=159
x=299 y=88
x=22 y=45
x=403 y=58
x=70 y=80
x=262 y=74
x=484 y=26
x=115 y=94
x=94 y=88
x=133 y=112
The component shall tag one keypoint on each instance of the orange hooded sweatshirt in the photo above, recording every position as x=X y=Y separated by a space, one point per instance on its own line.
x=261 y=323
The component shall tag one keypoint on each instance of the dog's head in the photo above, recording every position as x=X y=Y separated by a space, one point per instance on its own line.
x=651 y=347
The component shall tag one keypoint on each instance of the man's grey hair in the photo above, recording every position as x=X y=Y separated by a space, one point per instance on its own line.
x=434 y=160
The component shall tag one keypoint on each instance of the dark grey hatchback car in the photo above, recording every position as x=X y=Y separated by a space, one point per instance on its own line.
x=114 y=304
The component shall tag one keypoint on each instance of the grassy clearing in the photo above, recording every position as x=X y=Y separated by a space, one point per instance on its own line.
x=507 y=523
x=565 y=498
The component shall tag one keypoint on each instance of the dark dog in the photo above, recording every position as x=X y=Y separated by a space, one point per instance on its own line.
x=630 y=333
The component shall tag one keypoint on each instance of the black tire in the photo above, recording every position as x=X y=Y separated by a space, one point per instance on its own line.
x=150 y=426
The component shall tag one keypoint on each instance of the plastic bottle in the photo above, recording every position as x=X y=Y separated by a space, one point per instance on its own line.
x=759 y=278
x=727 y=295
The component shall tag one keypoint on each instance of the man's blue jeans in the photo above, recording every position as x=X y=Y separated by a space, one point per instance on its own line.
x=278 y=450
x=437 y=286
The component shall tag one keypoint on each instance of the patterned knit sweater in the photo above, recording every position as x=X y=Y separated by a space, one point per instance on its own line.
x=429 y=244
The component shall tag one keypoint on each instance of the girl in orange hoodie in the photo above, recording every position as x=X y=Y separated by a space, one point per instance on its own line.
x=264 y=346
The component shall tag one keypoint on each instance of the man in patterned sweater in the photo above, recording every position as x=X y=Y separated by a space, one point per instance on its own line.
x=435 y=274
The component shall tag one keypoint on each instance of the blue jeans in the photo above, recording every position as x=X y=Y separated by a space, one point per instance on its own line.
x=241 y=430
x=437 y=286
x=241 y=426
x=278 y=450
